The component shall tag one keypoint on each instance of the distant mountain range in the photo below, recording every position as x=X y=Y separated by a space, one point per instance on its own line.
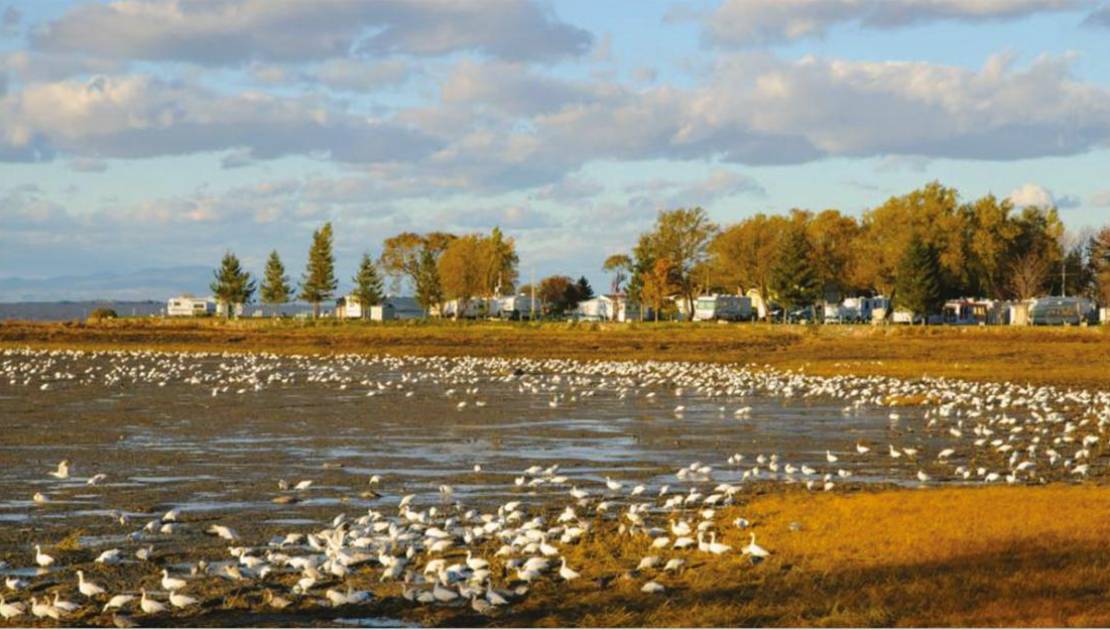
x=145 y=284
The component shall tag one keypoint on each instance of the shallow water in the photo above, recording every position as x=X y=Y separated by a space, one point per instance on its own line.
x=179 y=446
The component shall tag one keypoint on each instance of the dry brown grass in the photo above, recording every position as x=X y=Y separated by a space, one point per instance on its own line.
x=1060 y=356
x=953 y=557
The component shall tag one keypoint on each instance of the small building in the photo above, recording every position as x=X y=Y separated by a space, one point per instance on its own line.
x=1019 y=313
x=395 y=308
x=348 y=307
x=189 y=306
x=717 y=307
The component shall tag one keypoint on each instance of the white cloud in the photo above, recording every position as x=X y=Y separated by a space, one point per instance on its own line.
x=136 y=116
x=239 y=31
x=767 y=22
x=1030 y=194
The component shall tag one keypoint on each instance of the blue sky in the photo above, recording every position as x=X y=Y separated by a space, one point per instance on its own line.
x=154 y=133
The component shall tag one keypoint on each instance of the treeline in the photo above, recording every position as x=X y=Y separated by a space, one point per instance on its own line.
x=919 y=249
x=439 y=266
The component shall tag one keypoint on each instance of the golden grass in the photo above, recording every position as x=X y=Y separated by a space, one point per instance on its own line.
x=1057 y=356
x=951 y=557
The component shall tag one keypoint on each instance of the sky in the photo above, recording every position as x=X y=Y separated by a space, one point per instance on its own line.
x=157 y=134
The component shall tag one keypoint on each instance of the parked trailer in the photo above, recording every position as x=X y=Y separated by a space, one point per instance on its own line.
x=1059 y=311
x=733 y=308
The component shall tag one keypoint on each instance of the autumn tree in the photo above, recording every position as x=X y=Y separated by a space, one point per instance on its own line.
x=681 y=237
x=500 y=260
x=368 y=285
x=932 y=213
x=557 y=294
x=1098 y=259
x=918 y=286
x=401 y=257
x=620 y=265
x=832 y=237
x=462 y=271
x=275 y=288
x=744 y=254
x=318 y=283
x=658 y=284
x=232 y=285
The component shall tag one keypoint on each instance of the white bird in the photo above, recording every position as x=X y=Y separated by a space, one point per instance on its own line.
x=95 y=479
x=754 y=550
x=178 y=600
x=41 y=558
x=829 y=457
x=11 y=610
x=223 y=532
x=118 y=601
x=653 y=587
x=568 y=573
x=62 y=472
x=303 y=485
x=63 y=605
x=613 y=485
x=111 y=556
x=86 y=588
x=861 y=449
x=151 y=606
x=172 y=583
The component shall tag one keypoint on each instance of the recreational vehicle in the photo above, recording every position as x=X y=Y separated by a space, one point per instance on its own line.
x=189 y=306
x=733 y=308
x=1058 y=311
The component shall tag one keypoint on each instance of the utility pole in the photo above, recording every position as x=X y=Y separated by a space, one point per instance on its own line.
x=532 y=302
x=1064 y=276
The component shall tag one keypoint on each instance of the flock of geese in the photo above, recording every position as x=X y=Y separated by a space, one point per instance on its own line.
x=440 y=550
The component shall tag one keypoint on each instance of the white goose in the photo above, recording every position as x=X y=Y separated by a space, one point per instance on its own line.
x=86 y=588
x=62 y=472
x=42 y=559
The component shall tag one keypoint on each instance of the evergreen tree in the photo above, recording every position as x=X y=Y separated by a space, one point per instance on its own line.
x=794 y=278
x=318 y=283
x=429 y=292
x=582 y=290
x=368 y=285
x=918 y=287
x=231 y=285
x=275 y=284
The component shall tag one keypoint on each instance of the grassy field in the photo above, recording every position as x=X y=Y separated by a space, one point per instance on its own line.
x=1057 y=356
x=1037 y=557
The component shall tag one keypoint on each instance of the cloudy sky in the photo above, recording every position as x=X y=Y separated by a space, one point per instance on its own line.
x=144 y=134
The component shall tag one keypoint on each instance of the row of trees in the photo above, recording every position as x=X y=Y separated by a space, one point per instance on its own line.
x=919 y=249
x=439 y=266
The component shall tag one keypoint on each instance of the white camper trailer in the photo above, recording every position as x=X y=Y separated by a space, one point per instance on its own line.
x=733 y=308
x=189 y=306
